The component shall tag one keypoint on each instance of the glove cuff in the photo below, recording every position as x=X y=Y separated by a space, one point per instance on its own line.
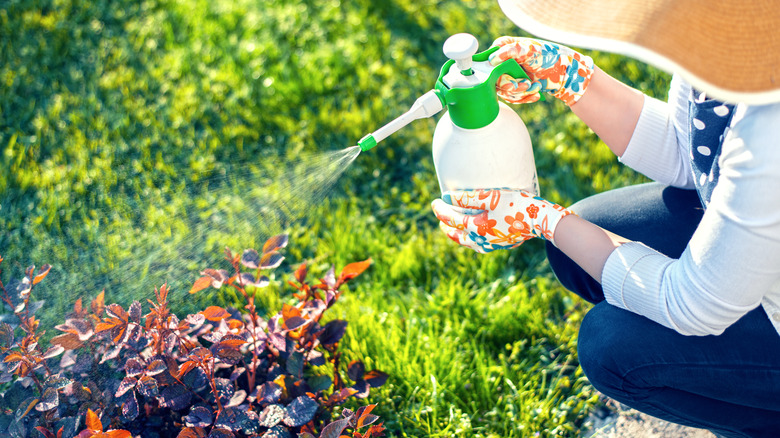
x=545 y=217
x=578 y=75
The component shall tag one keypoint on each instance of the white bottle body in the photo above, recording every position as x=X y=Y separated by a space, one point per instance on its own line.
x=498 y=155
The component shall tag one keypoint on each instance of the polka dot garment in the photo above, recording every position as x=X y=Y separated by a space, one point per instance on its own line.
x=709 y=121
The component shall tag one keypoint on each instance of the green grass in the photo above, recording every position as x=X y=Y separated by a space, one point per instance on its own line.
x=139 y=138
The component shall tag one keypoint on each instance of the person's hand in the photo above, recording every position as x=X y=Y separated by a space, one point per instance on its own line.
x=552 y=68
x=487 y=220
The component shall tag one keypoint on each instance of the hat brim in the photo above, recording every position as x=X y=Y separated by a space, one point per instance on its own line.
x=723 y=61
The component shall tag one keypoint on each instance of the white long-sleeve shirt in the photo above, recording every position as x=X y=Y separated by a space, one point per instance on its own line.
x=732 y=263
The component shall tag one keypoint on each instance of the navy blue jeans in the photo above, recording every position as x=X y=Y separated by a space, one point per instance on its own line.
x=729 y=384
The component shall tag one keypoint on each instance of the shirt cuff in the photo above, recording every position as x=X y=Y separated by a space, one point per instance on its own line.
x=631 y=279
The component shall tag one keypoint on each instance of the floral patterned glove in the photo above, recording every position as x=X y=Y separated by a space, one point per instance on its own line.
x=487 y=220
x=551 y=68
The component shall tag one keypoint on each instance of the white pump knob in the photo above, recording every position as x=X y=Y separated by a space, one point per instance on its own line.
x=461 y=47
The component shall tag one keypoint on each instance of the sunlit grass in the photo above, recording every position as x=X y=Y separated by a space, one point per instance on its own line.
x=135 y=137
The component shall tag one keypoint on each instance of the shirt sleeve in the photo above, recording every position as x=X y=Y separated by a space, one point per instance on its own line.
x=732 y=259
x=658 y=147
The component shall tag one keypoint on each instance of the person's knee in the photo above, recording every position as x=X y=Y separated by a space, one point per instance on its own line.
x=602 y=348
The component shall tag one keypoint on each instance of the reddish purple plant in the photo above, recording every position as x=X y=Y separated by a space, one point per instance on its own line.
x=217 y=373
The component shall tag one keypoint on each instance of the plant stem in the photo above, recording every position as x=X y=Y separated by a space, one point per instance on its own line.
x=251 y=375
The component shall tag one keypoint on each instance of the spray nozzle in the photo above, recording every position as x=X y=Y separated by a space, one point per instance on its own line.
x=425 y=106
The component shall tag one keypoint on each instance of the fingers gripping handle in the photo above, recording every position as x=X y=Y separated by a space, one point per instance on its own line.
x=509 y=67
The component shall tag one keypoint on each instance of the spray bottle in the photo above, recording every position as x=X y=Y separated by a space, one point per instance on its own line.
x=480 y=143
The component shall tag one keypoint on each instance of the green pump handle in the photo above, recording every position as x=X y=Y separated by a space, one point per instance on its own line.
x=477 y=106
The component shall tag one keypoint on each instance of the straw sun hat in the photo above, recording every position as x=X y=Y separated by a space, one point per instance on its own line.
x=728 y=48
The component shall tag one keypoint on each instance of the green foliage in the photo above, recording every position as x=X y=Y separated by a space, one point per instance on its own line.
x=139 y=138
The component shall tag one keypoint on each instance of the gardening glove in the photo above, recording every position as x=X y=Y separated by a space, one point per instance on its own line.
x=487 y=220
x=552 y=68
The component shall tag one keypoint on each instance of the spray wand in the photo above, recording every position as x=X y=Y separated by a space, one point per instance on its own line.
x=460 y=48
x=425 y=106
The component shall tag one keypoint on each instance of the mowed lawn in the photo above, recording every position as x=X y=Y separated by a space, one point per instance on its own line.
x=138 y=138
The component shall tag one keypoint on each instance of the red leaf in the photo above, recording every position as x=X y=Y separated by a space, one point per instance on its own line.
x=68 y=341
x=365 y=415
x=362 y=389
x=250 y=258
x=98 y=304
x=333 y=332
x=127 y=384
x=278 y=341
x=294 y=322
x=186 y=367
x=232 y=342
x=104 y=326
x=355 y=370
x=200 y=284
x=156 y=367
x=333 y=430
x=82 y=328
x=130 y=407
x=42 y=273
x=13 y=357
x=228 y=355
x=53 y=351
x=375 y=430
x=119 y=433
x=93 y=422
x=235 y=324
x=32 y=401
x=192 y=432
x=173 y=366
x=217 y=277
x=375 y=378
x=340 y=396
x=275 y=243
x=215 y=313
x=134 y=367
x=46 y=432
x=330 y=277
x=352 y=270
x=271 y=260
x=300 y=273
x=289 y=311
x=117 y=311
